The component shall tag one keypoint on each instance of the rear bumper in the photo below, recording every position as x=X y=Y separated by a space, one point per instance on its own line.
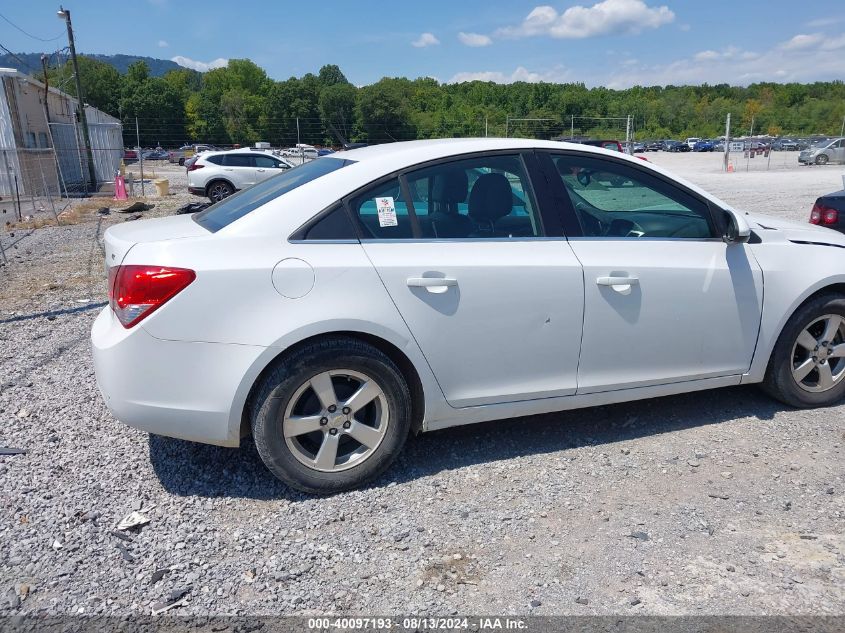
x=173 y=388
x=197 y=191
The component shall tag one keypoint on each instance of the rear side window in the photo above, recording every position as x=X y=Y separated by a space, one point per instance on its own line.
x=238 y=160
x=217 y=160
x=234 y=207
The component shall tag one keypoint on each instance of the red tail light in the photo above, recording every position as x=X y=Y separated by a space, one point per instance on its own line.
x=135 y=292
x=823 y=215
x=194 y=167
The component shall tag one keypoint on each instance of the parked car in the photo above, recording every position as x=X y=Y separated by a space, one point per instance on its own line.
x=639 y=148
x=824 y=152
x=676 y=146
x=653 y=146
x=155 y=154
x=691 y=141
x=786 y=145
x=325 y=151
x=704 y=145
x=330 y=320
x=130 y=156
x=217 y=175
x=186 y=151
x=829 y=211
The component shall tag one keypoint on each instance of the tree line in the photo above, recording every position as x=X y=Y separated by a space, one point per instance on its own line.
x=240 y=104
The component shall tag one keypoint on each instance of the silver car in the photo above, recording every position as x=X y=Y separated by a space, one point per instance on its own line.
x=824 y=152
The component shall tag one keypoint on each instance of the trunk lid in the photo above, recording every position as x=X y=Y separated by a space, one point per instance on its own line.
x=119 y=239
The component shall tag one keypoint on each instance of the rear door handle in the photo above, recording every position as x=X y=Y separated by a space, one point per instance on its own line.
x=617 y=281
x=437 y=285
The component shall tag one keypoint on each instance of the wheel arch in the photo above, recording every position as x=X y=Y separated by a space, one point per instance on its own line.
x=405 y=365
x=832 y=287
x=219 y=179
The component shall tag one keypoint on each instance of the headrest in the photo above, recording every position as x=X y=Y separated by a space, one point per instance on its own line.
x=450 y=186
x=491 y=198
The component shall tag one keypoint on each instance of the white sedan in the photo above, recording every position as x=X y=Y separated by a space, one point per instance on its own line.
x=339 y=306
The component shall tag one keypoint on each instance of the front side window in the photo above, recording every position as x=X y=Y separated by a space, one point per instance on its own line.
x=266 y=162
x=615 y=200
x=484 y=197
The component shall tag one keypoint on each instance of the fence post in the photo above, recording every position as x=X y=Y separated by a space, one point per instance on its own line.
x=727 y=142
x=140 y=156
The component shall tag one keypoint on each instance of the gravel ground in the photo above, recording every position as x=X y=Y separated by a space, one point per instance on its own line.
x=719 y=502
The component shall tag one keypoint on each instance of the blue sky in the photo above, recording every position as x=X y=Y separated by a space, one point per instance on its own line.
x=616 y=43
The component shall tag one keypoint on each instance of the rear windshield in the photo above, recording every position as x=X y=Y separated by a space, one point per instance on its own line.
x=235 y=207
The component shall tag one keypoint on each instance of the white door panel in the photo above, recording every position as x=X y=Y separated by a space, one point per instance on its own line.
x=503 y=322
x=662 y=311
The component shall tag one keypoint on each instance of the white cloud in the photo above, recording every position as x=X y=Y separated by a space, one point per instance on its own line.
x=802 y=41
x=474 y=40
x=820 y=22
x=792 y=61
x=557 y=75
x=425 y=39
x=187 y=62
x=608 y=17
x=163 y=44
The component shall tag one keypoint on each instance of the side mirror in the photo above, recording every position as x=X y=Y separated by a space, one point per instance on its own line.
x=736 y=227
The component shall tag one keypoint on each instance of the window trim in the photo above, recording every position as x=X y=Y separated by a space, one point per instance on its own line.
x=534 y=183
x=569 y=217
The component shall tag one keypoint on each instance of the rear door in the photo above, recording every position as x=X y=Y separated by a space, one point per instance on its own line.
x=497 y=306
x=666 y=299
x=240 y=169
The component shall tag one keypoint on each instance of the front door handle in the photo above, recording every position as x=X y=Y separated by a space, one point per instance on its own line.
x=437 y=285
x=617 y=281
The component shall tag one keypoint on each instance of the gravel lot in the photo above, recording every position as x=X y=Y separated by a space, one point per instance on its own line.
x=719 y=502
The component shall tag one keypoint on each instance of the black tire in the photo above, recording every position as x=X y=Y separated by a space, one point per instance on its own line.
x=181 y=162
x=217 y=190
x=779 y=382
x=821 y=159
x=280 y=385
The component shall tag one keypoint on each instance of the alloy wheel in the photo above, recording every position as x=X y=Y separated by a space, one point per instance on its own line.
x=219 y=191
x=818 y=355
x=336 y=420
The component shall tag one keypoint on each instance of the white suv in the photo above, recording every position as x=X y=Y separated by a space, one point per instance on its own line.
x=217 y=175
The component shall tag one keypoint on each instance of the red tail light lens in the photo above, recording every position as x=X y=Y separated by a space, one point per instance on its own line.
x=823 y=215
x=135 y=292
x=194 y=167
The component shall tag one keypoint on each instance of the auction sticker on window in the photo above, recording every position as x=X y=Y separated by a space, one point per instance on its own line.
x=386 y=212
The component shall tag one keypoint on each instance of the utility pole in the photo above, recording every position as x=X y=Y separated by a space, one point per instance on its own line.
x=64 y=14
x=727 y=141
x=46 y=90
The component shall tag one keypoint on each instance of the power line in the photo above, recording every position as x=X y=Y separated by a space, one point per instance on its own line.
x=18 y=58
x=35 y=37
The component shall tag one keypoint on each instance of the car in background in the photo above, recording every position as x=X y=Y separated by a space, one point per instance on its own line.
x=639 y=148
x=676 y=146
x=130 y=156
x=325 y=151
x=824 y=152
x=155 y=154
x=186 y=151
x=691 y=141
x=829 y=211
x=325 y=313
x=653 y=146
x=704 y=145
x=786 y=145
x=217 y=175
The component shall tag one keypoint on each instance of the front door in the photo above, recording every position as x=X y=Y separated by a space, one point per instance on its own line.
x=666 y=299
x=494 y=305
x=240 y=169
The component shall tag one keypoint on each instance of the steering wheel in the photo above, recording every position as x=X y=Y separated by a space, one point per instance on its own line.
x=624 y=228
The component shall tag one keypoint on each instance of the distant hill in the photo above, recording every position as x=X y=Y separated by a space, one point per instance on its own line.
x=32 y=62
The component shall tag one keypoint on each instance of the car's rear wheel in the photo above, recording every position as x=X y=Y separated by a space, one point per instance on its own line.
x=219 y=189
x=807 y=367
x=821 y=159
x=332 y=416
x=181 y=162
